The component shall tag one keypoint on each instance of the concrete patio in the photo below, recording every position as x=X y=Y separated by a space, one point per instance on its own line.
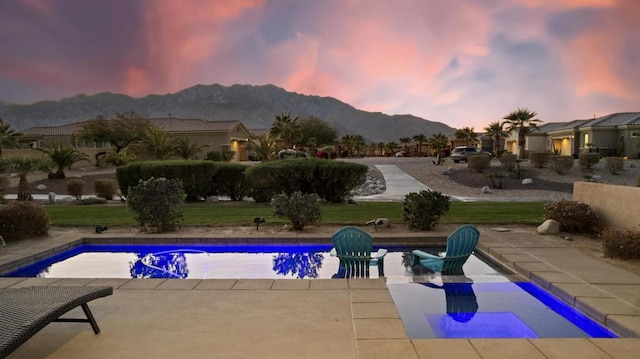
x=336 y=318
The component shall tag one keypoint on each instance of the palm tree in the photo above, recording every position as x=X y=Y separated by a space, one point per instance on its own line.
x=391 y=147
x=358 y=143
x=158 y=143
x=265 y=149
x=523 y=121
x=381 y=146
x=496 y=131
x=8 y=137
x=420 y=139
x=287 y=128
x=24 y=165
x=186 y=149
x=348 y=142
x=405 y=141
x=438 y=142
x=63 y=156
x=466 y=134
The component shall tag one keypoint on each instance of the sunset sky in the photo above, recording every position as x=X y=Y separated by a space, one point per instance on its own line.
x=460 y=62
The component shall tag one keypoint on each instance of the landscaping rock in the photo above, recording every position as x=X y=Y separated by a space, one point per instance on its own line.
x=485 y=189
x=212 y=199
x=41 y=187
x=527 y=181
x=549 y=227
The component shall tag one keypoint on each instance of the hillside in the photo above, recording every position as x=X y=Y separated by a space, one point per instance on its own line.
x=255 y=106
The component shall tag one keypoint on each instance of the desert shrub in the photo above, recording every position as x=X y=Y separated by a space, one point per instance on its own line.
x=301 y=209
x=4 y=187
x=496 y=178
x=21 y=220
x=478 y=163
x=423 y=210
x=588 y=159
x=105 y=188
x=572 y=216
x=158 y=203
x=560 y=164
x=614 y=164
x=624 y=244
x=218 y=156
x=75 y=187
x=119 y=158
x=538 y=159
x=509 y=160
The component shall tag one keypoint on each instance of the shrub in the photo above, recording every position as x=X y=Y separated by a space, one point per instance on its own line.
x=478 y=163
x=624 y=244
x=218 y=156
x=572 y=216
x=230 y=181
x=158 y=203
x=90 y=201
x=588 y=159
x=75 y=187
x=301 y=209
x=614 y=164
x=509 y=160
x=538 y=159
x=21 y=220
x=106 y=188
x=119 y=158
x=560 y=164
x=196 y=176
x=423 y=210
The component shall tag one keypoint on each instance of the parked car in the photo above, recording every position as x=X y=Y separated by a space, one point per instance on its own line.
x=461 y=153
x=401 y=154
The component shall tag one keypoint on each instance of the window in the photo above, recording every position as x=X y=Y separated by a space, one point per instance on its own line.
x=635 y=134
x=586 y=139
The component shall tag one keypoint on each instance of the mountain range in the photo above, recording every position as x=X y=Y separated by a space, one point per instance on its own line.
x=254 y=106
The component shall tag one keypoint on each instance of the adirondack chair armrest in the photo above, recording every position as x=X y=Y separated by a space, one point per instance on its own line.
x=422 y=254
x=379 y=254
x=333 y=252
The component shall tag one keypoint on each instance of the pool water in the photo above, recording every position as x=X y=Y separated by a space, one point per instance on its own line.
x=482 y=303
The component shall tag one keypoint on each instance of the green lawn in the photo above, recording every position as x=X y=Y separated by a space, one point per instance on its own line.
x=242 y=213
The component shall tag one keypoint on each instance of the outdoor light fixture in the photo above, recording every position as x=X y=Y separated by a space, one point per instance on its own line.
x=258 y=220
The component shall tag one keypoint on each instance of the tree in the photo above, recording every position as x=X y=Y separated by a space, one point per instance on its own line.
x=358 y=144
x=438 y=142
x=186 y=149
x=122 y=131
x=286 y=128
x=522 y=120
x=391 y=147
x=158 y=143
x=24 y=165
x=265 y=149
x=63 y=156
x=496 y=131
x=420 y=139
x=466 y=134
x=381 y=146
x=348 y=142
x=315 y=132
x=8 y=137
x=405 y=141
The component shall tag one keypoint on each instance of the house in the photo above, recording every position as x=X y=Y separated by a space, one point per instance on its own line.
x=615 y=134
x=213 y=135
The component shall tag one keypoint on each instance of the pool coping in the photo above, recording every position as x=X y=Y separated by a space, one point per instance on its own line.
x=608 y=309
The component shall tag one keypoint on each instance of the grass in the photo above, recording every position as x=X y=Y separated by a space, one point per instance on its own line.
x=242 y=214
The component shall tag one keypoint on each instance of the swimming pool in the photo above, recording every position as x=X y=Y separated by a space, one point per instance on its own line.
x=483 y=303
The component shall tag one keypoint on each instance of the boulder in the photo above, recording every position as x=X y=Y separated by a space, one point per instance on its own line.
x=549 y=227
x=527 y=181
x=41 y=187
x=485 y=189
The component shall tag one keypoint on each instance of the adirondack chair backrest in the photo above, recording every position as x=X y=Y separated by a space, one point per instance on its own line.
x=353 y=247
x=460 y=244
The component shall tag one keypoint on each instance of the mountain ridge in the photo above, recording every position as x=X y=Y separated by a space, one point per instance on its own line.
x=254 y=105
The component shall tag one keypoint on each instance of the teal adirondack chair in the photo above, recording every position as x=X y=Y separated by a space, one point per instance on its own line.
x=460 y=245
x=353 y=247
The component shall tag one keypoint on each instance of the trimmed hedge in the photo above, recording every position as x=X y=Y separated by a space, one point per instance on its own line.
x=588 y=159
x=230 y=180
x=478 y=163
x=560 y=164
x=538 y=159
x=21 y=220
x=332 y=181
x=196 y=176
x=624 y=244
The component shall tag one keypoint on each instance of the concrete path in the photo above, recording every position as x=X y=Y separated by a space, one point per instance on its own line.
x=398 y=184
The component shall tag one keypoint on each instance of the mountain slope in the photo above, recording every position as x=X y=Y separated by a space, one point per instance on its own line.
x=255 y=106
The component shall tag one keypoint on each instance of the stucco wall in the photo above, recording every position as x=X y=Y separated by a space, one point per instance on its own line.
x=618 y=206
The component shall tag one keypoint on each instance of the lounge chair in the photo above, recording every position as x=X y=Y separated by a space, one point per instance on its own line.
x=460 y=245
x=25 y=311
x=353 y=247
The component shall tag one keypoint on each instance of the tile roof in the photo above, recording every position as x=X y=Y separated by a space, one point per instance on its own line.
x=176 y=125
x=615 y=120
